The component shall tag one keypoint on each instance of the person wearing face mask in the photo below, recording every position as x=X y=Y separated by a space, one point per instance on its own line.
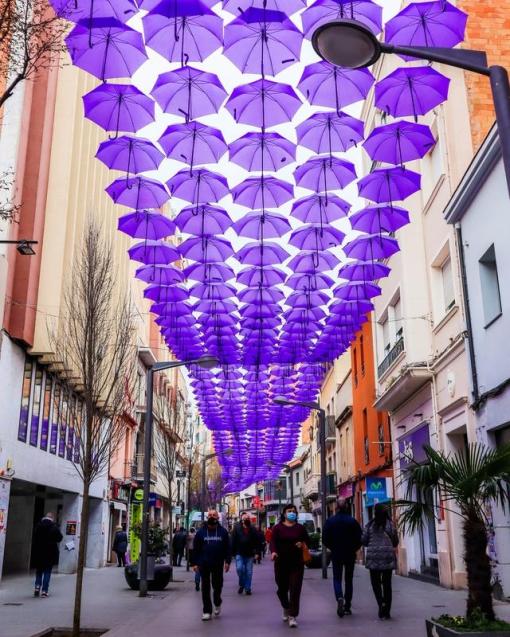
x=287 y=542
x=211 y=556
x=245 y=547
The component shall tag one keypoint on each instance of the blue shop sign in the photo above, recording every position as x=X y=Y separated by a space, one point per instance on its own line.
x=376 y=491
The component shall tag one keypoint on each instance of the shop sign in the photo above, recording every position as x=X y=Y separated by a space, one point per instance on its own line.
x=138 y=495
x=346 y=490
x=180 y=474
x=412 y=447
x=376 y=491
x=71 y=527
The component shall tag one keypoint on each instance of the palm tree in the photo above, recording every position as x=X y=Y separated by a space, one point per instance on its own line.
x=467 y=483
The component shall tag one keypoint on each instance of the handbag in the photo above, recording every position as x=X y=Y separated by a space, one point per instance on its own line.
x=307 y=556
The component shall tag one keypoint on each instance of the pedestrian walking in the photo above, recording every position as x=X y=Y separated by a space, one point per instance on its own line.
x=178 y=546
x=45 y=552
x=211 y=555
x=262 y=543
x=245 y=548
x=288 y=542
x=120 y=543
x=342 y=536
x=381 y=539
x=189 y=546
x=267 y=535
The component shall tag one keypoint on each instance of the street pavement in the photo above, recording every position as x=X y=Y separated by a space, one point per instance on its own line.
x=109 y=603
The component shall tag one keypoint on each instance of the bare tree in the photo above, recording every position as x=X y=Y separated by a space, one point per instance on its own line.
x=8 y=209
x=94 y=344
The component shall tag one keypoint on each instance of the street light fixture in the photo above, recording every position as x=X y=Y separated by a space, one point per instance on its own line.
x=23 y=246
x=280 y=400
x=351 y=44
x=207 y=362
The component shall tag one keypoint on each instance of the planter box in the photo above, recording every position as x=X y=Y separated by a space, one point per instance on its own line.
x=437 y=630
x=162 y=575
x=67 y=632
x=317 y=559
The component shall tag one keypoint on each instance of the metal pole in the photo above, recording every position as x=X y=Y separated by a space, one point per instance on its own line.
x=501 y=97
x=202 y=492
x=146 y=483
x=291 y=476
x=322 y=433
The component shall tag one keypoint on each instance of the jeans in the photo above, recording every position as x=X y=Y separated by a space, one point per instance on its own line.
x=211 y=575
x=289 y=580
x=381 y=585
x=244 y=566
x=42 y=577
x=343 y=570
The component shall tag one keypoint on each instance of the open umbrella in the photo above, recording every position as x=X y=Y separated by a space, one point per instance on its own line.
x=76 y=10
x=260 y=254
x=306 y=299
x=213 y=291
x=262 y=192
x=260 y=295
x=189 y=92
x=262 y=151
x=324 y=11
x=313 y=261
x=321 y=174
x=119 y=107
x=371 y=247
x=193 y=143
x=330 y=132
x=377 y=219
x=389 y=184
x=203 y=219
x=399 y=142
x=106 y=48
x=356 y=291
x=199 y=186
x=143 y=224
x=209 y=272
x=254 y=276
x=316 y=237
x=262 y=41
x=165 y=293
x=206 y=249
x=130 y=154
x=285 y=6
x=262 y=225
x=138 y=192
x=159 y=274
x=153 y=252
x=314 y=281
x=363 y=271
x=320 y=209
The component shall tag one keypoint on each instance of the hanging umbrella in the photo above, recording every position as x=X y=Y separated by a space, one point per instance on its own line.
x=149 y=5
x=106 y=48
x=430 y=24
x=399 y=142
x=213 y=291
x=262 y=41
x=320 y=209
x=265 y=276
x=326 y=85
x=377 y=219
x=411 y=90
x=165 y=293
x=287 y=7
x=183 y=31
x=323 y=11
x=330 y=132
x=193 y=143
x=206 y=249
x=356 y=291
x=199 y=186
x=189 y=92
x=159 y=275
x=314 y=281
x=153 y=252
x=371 y=247
x=325 y=173
x=260 y=295
x=263 y=103
x=262 y=192
x=310 y=298
x=262 y=225
x=76 y=10
x=363 y=271
x=203 y=219
x=213 y=307
x=119 y=107
x=143 y=224
x=138 y=192
x=316 y=237
x=262 y=151
x=260 y=254
x=312 y=261
x=389 y=184
x=209 y=272
x=130 y=154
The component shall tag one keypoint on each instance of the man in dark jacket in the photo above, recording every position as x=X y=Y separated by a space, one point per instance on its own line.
x=120 y=544
x=342 y=535
x=178 y=546
x=246 y=545
x=45 y=552
x=211 y=554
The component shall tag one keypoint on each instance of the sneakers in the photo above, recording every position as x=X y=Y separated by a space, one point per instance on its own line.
x=285 y=615
x=340 y=610
x=240 y=590
x=217 y=611
x=248 y=592
x=44 y=594
x=206 y=617
x=347 y=611
x=292 y=622
x=36 y=592
x=197 y=587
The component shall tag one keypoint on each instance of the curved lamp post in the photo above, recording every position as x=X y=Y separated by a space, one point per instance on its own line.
x=208 y=362
x=350 y=44
x=279 y=400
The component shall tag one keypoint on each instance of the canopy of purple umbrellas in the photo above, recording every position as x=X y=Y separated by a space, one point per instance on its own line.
x=279 y=308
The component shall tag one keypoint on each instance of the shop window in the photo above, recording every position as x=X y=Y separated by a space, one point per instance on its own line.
x=25 y=400
x=491 y=297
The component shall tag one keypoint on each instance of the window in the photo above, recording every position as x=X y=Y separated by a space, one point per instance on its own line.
x=25 y=401
x=447 y=281
x=397 y=319
x=36 y=407
x=362 y=355
x=297 y=478
x=380 y=433
x=46 y=413
x=366 y=442
x=355 y=365
x=489 y=281
x=386 y=336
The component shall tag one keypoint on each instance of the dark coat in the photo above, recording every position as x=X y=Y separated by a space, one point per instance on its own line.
x=380 y=543
x=45 y=548
x=211 y=547
x=120 y=542
x=342 y=535
x=247 y=543
x=179 y=542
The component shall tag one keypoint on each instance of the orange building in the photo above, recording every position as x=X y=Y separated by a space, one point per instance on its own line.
x=372 y=446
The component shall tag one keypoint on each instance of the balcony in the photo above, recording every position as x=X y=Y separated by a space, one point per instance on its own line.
x=137 y=468
x=311 y=488
x=330 y=429
x=391 y=357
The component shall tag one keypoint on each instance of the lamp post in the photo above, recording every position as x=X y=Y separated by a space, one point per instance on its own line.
x=206 y=361
x=322 y=434
x=350 y=44
x=23 y=246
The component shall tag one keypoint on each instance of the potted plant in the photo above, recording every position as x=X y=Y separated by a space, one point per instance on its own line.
x=468 y=483
x=316 y=551
x=159 y=572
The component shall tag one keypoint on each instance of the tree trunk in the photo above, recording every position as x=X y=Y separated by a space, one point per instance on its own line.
x=82 y=555
x=170 y=530
x=478 y=567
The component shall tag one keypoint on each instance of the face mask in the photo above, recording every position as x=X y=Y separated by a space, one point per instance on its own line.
x=291 y=516
x=247 y=522
x=212 y=521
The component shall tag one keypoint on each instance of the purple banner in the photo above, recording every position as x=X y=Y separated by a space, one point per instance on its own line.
x=412 y=447
x=346 y=490
x=44 y=434
x=23 y=424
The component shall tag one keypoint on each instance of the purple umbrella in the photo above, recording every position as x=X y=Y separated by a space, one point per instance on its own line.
x=316 y=237
x=262 y=225
x=211 y=307
x=159 y=274
x=206 y=249
x=165 y=293
x=371 y=247
x=399 y=142
x=209 y=272
x=131 y=154
x=389 y=184
x=377 y=219
x=149 y=5
x=307 y=299
x=315 y=281
x=119 y=107
x=286 y=6
x=413 y=90
x=363 y=271
x=326 y=85
x=261 y=254
x=330 y=132
x=106 y=48
x=193 y=143
x=213 y=291
x=355 y=291
x=76 y=10
x=255 y=276
x=313 y=261
x=262 y=192
x=203 y=219
x=154 y=252
x=262 y=41
x=183 y=31
x=142 y=224
x=138 y=192
x=262 y=151
x=189 y=92
x=325 y=173
x=320 y=209
x=201 y=186
x=323 y=11
x=260 y=295
x=263 y=103
x=430 y=24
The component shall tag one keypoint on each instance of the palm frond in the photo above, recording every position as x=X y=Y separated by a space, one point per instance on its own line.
x=413 y=514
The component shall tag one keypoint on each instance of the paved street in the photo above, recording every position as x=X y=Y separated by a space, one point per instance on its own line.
x=109 y=603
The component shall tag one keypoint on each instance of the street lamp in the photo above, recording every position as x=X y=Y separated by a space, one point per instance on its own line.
x=23 y=246
x=279 y=400
x=208 y=362
x=350 y=44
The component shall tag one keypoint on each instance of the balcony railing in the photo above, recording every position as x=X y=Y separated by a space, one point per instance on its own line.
x=391 y=357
